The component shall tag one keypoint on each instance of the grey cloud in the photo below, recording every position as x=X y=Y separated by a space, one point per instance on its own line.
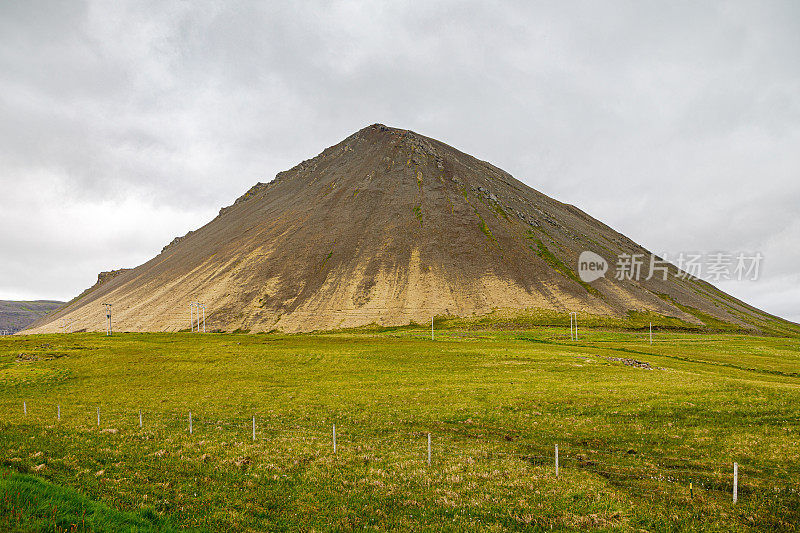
x=676 y=123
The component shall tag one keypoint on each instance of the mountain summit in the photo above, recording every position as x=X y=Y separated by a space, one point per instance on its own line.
x=389 y=227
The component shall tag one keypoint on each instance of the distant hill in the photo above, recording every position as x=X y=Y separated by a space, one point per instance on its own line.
x=391 y=227
x=15 y=315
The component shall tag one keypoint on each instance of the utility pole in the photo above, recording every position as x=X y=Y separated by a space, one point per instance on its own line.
x=573 y=326
x=108 y=317
x=576 y=325
x=198 y=307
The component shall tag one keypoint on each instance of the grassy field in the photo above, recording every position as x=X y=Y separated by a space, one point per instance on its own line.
x=631 y=439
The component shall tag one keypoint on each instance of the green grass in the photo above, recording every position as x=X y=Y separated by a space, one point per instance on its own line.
x=418 y=213
x=485 y=229
x=496 y=402
x=542 y=251
x=494 y=206
x=504 y=319
x=698 y=314
x=29 y=503
x=325 y=261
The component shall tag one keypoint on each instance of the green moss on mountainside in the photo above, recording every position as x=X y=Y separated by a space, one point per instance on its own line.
x=543 y=252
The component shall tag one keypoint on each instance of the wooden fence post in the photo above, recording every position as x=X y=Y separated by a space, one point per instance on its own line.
x=556 y=460
x=429 y=449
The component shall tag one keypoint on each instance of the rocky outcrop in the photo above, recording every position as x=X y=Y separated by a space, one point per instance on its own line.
x=102 y=277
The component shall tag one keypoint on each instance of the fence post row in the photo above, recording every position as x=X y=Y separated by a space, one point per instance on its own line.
x=58 y=415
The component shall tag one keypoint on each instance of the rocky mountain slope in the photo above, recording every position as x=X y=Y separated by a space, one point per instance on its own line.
x=389 y=227
x=16 y=315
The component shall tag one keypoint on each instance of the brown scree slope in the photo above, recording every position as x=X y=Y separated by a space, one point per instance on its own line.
x=386 y=227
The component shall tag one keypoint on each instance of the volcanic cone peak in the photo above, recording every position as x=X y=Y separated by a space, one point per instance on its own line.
x=390 y=227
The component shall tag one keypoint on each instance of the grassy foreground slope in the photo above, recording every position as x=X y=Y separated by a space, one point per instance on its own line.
x=31 y=504
x=631 y=439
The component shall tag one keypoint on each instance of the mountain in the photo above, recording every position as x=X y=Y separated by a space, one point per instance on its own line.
x=390 y=227
x=16 y=315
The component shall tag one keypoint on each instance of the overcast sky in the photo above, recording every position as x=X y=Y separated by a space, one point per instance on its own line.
x=123 y=125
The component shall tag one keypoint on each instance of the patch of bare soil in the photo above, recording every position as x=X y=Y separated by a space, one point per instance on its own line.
x=631 y=362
